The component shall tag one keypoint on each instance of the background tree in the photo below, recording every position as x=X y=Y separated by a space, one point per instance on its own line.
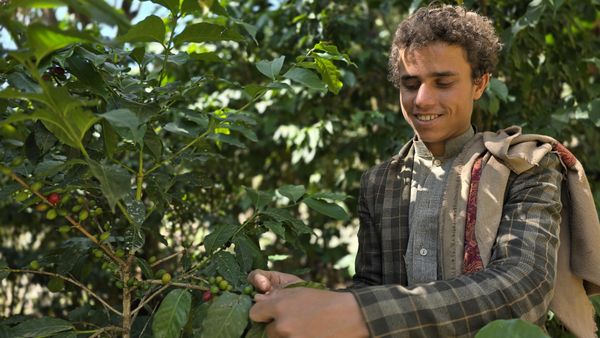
x=195 y=119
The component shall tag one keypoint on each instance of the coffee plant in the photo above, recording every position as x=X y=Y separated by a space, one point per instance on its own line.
x=105 y=147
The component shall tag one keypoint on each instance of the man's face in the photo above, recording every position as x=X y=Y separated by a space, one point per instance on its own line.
x=437 y=93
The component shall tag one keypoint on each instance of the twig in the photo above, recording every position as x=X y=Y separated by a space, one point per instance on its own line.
x=70 y=280
x=71 y=220
x=144 y=302
x=164 y=259
x=105 y=329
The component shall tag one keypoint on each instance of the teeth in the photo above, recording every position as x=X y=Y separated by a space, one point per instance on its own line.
x=426 y=117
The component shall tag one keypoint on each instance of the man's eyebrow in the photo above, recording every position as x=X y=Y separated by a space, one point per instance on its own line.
x=408 y=77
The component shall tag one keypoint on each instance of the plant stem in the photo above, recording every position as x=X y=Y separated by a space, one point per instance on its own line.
x=125 y=275
x=140 y=175
x=70 y=280
x=167 y=48
x=180 y=151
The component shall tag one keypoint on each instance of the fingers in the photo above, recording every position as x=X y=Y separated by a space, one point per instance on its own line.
x=261 y=280
x=262 y=311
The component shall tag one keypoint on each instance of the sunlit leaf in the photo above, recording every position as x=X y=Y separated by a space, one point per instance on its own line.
x=271 y=68
x=293 y=192
x=305 y=77
x=172 y=5
x=45 y=40
x=328 y=209
x=207 y=32
x=151 y=29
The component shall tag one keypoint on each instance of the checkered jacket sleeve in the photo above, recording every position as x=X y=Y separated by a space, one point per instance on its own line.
x=517 y=283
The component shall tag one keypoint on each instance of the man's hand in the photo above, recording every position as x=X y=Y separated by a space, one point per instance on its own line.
x=266 y=281
x=303 y=312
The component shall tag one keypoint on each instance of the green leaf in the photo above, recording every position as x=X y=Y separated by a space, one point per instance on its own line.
x=330 y=196
x=260 y=199
x=594 y=111
x=514 y=328
x=257 y=330
x=114 y=181
x=219 y=236
x=172 y=314
x=276 y=227
x=86 y=73
x=305 y=77
x=151 y=29
x=145 y=267
x=172 y=5
x=41 y=3
x=535 y=10
x=293 y=192
x=329 y=73
x=271 y=68
x=328 y=209
x=56 y=284
x=41 y=327
x=207 y=32
x=231 y=310
x=45 y=40
x=100 y=11
x=227 y=266
x=135 y=209
x=127 y=124
x=134 y=237
x=246 y=251
x=499 y=89
x=10 y=93
x=248 y=133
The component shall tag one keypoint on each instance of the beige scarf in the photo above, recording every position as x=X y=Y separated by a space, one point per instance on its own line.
x=578 y=267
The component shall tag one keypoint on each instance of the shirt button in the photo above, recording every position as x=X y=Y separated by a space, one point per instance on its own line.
x=437 y=162
x=423 y=252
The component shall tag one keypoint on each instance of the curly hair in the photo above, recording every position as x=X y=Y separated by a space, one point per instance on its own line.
x=453 y=25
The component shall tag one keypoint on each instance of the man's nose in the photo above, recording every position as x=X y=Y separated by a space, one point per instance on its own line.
x=425 y=96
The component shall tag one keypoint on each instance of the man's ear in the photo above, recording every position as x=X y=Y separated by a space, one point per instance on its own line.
x=479 y=85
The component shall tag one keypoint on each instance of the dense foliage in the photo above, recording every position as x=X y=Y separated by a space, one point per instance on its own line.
x=151 y=159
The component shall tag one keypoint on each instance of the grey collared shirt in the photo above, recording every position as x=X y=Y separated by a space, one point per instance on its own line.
x=429 y=176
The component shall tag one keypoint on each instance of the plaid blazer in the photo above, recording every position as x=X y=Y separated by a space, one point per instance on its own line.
x=517 y=282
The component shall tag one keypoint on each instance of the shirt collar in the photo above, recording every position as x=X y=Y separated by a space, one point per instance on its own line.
x=452 y=148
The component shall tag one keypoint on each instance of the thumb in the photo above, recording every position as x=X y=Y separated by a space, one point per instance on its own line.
x=261 y=280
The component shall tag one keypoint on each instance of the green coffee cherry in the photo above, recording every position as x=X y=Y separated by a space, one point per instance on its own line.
x=64 y=229
x=214 y=289
x=36 y=186
x=223 y=285
x=51 y=214
x=104 y=236
x=34 y=264
x=21 y=196
x=166 y=278
x=83 y=215
x=119 y=253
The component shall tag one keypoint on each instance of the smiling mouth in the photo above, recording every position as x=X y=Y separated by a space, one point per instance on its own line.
x=426 y=117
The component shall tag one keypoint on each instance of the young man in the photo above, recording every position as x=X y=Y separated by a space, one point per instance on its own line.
x=455 y=232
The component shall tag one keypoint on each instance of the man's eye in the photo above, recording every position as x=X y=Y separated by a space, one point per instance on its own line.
x=411 y=85
x=444 y=84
